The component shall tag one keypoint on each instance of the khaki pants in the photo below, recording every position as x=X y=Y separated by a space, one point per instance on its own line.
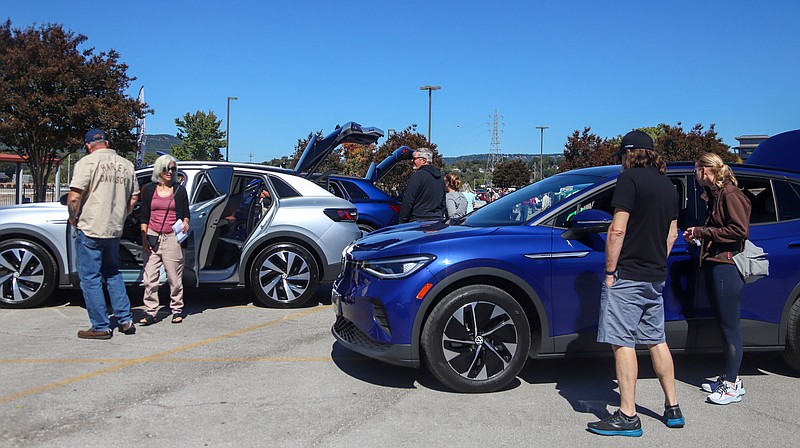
x=170 y=255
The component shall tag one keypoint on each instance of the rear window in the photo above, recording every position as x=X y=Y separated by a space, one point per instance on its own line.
x=353 y=190
x=283 y=189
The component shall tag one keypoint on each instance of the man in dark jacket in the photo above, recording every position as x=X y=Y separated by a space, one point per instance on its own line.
x=424 y=197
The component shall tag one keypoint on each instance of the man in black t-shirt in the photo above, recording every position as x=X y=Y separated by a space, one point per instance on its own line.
x=640 y=237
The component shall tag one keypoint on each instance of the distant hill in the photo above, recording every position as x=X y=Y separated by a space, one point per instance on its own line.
x=161 y=142
x=483 y=157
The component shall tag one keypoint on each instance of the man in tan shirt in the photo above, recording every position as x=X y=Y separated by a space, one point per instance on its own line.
x=102 y=194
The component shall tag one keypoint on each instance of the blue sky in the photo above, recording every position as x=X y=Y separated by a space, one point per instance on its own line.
x=300 y=66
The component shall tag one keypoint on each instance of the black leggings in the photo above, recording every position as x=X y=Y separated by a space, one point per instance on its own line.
x=724 y=287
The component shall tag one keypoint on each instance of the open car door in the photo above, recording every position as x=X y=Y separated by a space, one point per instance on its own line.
x=208 y=204
x=376 y=172
x=317 y=150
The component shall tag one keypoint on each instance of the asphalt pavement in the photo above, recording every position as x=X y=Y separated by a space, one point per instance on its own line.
x=238 y=374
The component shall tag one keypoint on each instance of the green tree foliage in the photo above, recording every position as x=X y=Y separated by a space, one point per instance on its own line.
x=511 y=173
x=51 y=93
x=672 y=142
x=282 y=162
x=396 y=179
x=584 y=149
x=675 y=144
x=200 y=136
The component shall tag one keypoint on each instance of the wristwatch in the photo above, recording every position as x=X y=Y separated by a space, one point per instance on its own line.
x=614 y=272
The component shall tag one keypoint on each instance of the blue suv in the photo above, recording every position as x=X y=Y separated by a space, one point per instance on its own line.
x=520 y=278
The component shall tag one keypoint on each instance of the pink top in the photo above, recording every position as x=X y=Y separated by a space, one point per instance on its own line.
x=158 y=209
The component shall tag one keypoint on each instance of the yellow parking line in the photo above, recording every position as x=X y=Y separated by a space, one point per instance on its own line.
x=151 y=358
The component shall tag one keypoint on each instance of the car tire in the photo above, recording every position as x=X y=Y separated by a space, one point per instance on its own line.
x=284 y=275
x=476 y=339
x=791 y=354
x=365 y=228
x=27 y=274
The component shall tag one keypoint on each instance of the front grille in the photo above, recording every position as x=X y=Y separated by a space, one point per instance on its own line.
x=350 y=333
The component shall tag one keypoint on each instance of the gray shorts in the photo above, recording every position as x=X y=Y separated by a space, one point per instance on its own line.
x=631 y=312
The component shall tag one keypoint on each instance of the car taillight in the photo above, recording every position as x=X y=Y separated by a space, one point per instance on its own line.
x=395 y=207
x=342 y=214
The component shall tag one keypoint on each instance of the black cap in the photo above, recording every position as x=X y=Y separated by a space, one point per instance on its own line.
x=634 y=140
x=94 y=135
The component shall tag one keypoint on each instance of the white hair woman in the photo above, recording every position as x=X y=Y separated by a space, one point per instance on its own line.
x=165 y=208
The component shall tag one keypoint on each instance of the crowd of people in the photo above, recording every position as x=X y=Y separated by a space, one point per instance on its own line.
x=641 y=235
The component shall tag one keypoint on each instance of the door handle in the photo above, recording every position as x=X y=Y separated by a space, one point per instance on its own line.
x=795 y=243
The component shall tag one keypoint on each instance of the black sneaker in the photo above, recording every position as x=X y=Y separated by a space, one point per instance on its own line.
x=617 y=424
x=673 y=417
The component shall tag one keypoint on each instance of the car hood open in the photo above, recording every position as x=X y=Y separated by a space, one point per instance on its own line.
x=317 y=150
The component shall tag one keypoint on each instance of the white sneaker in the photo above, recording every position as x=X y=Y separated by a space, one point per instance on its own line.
x=725 y=393
x=713 y=385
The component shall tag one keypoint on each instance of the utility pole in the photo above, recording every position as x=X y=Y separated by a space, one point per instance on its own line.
x=228 y=127
x=541 y=151
x=430 y=90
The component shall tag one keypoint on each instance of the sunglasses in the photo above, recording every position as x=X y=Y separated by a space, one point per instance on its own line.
x=171 y=169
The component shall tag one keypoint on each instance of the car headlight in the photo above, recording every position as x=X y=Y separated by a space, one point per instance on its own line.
x=399 y=267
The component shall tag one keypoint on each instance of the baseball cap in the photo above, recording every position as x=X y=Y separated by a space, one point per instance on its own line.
x=634 y=140
x=94 y=135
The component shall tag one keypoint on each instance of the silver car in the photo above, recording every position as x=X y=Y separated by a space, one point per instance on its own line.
x=281 y=248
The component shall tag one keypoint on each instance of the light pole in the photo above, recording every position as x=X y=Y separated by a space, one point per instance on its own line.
x=541 y=151
x=228 y=127
x=430 y=90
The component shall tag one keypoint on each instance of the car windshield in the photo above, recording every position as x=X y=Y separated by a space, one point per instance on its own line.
x=524 y=204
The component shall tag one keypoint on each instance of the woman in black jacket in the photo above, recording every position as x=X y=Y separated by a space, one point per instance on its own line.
x=165 y=211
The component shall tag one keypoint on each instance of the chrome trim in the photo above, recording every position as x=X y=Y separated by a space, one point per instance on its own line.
x=558 y=255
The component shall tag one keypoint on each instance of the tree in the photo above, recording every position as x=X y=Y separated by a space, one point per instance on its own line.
x=511 y=173
x=587 y=149
x=51 y=93
x=676 y=145
x=200 y=136
x=357 y=158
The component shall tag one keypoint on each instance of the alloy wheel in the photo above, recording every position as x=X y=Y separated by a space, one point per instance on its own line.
x=479 y=340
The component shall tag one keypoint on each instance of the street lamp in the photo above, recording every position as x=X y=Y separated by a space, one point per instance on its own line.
x=430 y=90
x=228 y=127
x=541 y=151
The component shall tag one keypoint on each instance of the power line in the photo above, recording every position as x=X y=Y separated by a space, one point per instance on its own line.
x=495 y=152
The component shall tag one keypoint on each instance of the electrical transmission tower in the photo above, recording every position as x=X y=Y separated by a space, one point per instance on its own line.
x=495 y=153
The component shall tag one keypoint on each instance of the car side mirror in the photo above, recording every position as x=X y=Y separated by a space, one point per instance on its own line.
x=586 y=222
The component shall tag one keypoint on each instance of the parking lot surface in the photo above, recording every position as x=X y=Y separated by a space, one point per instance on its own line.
x=235 y=374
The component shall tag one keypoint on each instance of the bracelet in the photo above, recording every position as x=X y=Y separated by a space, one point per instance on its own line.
x=614 y=272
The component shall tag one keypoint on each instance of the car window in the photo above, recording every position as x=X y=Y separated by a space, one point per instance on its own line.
x=524 y=204
x=336 y=190
x=282 y=189
x=759 y=191
x=354 y=190
x=788 y=199
x=204 y=191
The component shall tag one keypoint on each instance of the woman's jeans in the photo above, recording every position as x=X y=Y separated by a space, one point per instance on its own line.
x=724 y=287
x=98 y=259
